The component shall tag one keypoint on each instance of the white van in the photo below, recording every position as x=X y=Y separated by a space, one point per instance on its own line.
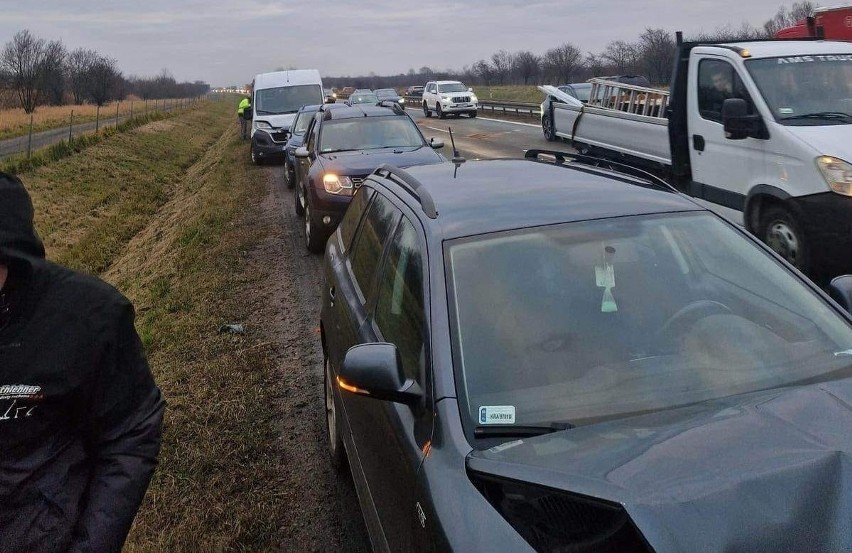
x=276 y=97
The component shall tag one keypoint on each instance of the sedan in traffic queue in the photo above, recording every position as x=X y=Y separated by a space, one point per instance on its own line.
x=343 y=145
x=390 y=95
x=528 y=356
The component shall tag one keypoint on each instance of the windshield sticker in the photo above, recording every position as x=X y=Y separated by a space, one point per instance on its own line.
x=815 y=59
x=605 y=278
x=497 y=414
x=785 y=111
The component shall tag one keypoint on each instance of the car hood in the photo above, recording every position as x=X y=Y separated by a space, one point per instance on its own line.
x=770 y=471
x=364 y=162
x=282 y=121
x=826 y=140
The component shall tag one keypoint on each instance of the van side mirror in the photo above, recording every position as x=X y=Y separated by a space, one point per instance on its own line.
x=247 y=113
x=840 y=291
x=738 y=123
x=375 y=370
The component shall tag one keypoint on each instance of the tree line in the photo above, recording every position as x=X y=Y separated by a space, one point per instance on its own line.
x=652 y=55
x=35 y=71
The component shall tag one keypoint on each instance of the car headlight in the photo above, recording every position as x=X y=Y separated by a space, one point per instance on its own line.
x=402 y=100
x=262 y=125
x=335 y=184
x=474 y=99
x=837 y=173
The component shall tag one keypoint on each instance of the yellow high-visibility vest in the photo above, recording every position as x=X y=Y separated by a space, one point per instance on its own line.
x=245 y=103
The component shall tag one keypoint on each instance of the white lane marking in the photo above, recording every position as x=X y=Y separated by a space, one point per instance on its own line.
x=436 y=129
x=509 y=122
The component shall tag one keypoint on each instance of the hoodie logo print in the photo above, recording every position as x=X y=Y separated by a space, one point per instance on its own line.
x=19 y=400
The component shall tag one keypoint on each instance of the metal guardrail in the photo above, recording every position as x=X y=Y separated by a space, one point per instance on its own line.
x=505 y=107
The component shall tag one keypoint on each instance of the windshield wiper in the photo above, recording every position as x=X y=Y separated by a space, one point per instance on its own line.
x=826 y=115
x=518 y=431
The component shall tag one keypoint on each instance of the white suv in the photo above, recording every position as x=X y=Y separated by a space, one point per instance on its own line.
x=445 y=97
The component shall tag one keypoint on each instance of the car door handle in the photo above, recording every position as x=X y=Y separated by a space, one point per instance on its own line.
x=698 y=142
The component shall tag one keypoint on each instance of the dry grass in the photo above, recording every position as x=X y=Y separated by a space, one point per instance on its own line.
x=165 y=214
x=15 y=122
x=510 y=93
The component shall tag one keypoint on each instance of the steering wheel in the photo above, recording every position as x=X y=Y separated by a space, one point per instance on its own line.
x=690 y=314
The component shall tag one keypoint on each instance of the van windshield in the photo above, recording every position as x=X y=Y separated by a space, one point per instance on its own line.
x=806 y=90
x=286 y=99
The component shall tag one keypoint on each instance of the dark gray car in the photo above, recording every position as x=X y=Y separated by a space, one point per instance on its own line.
x=525 y=357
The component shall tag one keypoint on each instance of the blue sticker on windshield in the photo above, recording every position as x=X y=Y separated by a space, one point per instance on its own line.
x=497 y=414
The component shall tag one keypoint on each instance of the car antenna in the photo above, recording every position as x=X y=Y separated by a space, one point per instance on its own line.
x=457 y=158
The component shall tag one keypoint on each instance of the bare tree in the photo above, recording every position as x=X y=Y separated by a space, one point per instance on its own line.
x=527 y=65
x=727 y=33
x=657 y=52
x=623 y=56
x=77 y=66
x=104 y=79
x=563 y=61
x=484 y=71
x=595 y=64
x=785 y=18
x=21 y=60
x=53 y=73
x=502 y=63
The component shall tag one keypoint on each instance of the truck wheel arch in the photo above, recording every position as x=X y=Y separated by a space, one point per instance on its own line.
x=758 y=199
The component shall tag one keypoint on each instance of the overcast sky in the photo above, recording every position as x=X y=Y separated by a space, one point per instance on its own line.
x=225 y=43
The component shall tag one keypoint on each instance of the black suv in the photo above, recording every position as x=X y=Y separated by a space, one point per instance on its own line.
x=521 y=356
x=344 y=144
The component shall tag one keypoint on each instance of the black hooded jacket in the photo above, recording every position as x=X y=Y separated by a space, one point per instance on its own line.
x=80 y=414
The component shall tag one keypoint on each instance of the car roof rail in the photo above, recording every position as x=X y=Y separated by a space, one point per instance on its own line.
x=411 y=185
x=397 y=109
x=559 y=158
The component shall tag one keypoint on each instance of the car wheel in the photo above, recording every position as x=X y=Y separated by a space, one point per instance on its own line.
x=547 y=128
x=336 y=450
x=438 y=112
x=289 y=174
x=426 y=111
x=255 y=159
x=782 y=233
x=299 y=195
x=313 y=231
x=472 y=115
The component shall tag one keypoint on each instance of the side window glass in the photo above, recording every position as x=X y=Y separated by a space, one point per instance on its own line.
x=349 y=224
x=400 y=315
x=369 y=243
x=311 y=135
x=718 y=81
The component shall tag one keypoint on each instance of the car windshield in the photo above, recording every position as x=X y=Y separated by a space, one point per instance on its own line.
x=386 y=94
x=368 y=133
x=806 y=90
x=287 y=99
x=300 y=125
x=364 y=99
x=452 y=87
x=584 y=322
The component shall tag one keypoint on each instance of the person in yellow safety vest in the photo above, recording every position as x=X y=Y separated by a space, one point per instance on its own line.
x=244 y=103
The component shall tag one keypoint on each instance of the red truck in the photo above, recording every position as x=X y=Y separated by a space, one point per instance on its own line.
x=830 y=23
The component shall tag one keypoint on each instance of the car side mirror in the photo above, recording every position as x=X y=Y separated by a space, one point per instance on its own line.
x=738 y=123
x=470 y=89
x=436 y=144
x=375 y=370
x=840 y=291
x=302 y=151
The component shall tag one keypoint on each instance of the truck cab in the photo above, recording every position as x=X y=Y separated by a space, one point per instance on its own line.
x=276 y=99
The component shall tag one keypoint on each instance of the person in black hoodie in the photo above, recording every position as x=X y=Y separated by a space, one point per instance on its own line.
x=80 y=414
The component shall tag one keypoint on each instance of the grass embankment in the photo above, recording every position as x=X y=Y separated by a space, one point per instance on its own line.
x=510 y=93
x=16 y=122
x=164 y=213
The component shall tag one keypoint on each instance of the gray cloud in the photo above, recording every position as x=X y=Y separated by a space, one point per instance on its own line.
x=228 y=42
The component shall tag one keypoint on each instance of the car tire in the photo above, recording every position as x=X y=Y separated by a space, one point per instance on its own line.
x=438 y=112
x=336 y=449
x=255 y=159
x=547 y=128
x=472 y=115
x=289 y=174
x=781 y=232
x=426 y=111
x=299 y=195
x=314 y=239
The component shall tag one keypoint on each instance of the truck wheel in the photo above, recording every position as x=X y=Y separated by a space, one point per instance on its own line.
x=438 y=112
x=426 y=111
x=547 y=128
x=781 y=232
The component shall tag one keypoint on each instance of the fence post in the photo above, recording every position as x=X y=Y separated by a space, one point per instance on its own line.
x=30 y=139
x=146 y=107
x=117 y=104
x=71 y=128
x=131 y=109
x=97 y=119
